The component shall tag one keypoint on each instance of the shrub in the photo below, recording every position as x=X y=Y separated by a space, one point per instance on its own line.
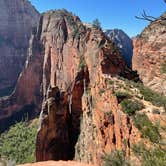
x=150 y=157
x=149 y=95
x=131 y=106
x=96 y=24
x=146 y=127
x=75 y=33
x=81 y=63
x=101 y=91
x=163 y=68
x=154 y=97
x=122 y=94
x=116 y=158
x=18 y=143
x=111 y=82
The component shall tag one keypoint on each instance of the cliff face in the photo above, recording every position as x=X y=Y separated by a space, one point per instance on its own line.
x=123 y=42
x=149 y=57
x=17 y=18
x=26 y=98
x=80 y=116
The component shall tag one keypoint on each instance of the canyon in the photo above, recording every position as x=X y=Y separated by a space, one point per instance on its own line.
x=76 y=78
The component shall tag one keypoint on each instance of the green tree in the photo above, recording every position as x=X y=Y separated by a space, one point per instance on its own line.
x=96 y=24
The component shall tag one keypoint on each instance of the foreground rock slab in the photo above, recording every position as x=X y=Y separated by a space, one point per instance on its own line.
x=57 y=163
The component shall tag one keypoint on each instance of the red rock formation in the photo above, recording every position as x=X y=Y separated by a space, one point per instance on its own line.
x=79 y=123
x=17 y=18
x=150 y=55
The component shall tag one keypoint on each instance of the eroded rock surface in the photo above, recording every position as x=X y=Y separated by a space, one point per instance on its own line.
x=149 y=55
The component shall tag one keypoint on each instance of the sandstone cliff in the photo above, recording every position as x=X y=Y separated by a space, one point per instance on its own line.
x=17 y=18
x=149 y=55
x=80 y=117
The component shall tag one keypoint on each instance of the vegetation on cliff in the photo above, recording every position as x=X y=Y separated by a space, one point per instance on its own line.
x=144 y=155
x=18 y=143
x=131 y=106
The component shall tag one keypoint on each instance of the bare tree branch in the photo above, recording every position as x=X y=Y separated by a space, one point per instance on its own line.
x=146 y=17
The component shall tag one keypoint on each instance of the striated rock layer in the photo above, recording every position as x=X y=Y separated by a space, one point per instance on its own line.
x=17 y=18
x=149 y=55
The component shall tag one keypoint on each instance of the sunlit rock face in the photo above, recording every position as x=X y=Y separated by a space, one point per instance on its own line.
x=17 y=19
x=76 y=121
x=149 y=56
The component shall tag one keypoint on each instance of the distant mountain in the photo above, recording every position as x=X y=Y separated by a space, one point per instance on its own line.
x=123 y=42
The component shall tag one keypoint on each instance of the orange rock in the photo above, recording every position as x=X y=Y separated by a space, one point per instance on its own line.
x=56 y=163
x=149 y=55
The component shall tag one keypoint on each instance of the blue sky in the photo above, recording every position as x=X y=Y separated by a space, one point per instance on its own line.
x=111 y=13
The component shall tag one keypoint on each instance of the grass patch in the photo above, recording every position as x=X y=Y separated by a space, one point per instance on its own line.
x=131 y=106
x=18 y=143
x=146 y=127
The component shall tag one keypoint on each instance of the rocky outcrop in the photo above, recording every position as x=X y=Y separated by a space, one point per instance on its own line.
x=80 y=116
x=123 y=42
x=149 y=57
x=17 y=19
